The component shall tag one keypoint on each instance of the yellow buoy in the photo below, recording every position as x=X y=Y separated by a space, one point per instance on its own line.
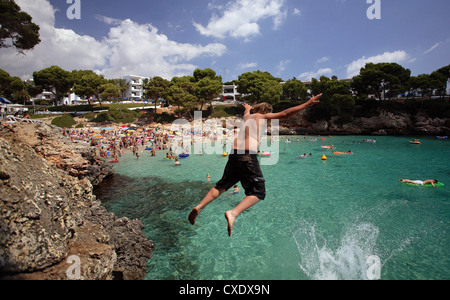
x=324 y=157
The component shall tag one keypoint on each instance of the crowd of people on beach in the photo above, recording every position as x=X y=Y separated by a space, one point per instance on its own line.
x=113 y=142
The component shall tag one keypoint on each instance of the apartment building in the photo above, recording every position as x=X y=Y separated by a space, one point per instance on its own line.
x=136 y=89
x=230 y=92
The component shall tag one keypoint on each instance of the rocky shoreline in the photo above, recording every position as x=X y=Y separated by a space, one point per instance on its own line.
x=381 y=123
x=48 y=212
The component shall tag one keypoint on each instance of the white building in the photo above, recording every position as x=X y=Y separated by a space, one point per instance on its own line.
x=136 y=90
x=69 y=99
x=45 y=95
x=230 y=92
x=448 y=87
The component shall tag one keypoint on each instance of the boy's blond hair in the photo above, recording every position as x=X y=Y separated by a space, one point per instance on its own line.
x=262 y=108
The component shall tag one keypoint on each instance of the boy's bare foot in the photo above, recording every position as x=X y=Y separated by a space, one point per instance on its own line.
x=230 y=218
x=193 y=216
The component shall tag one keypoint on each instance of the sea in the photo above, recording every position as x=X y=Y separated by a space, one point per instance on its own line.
x=345 y=218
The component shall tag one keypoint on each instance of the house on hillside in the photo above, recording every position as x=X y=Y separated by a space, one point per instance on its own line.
x=230 y=93
x=136 y=89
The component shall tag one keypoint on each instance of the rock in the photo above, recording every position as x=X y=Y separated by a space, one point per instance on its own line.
x=380 y=122
x=75 y=159
x=48 y=213
x=320 y=126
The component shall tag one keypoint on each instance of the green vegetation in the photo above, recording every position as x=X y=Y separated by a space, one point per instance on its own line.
x=116 y=116
x=65 y=121
x=260 y=87
x=222 y=111
x=56 y=80
x=16 y=28
x=390 y=84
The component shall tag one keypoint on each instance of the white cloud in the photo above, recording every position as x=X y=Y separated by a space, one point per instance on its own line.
x=354 y=67
x=323 y=60
x=240 y=18
x=140 y=49
x=310 y=75
x=282 y=65
x=248 y=65
x=107 y=20
x=129 y=48
x=296 y=12
x=58 y=46
x=432 y=48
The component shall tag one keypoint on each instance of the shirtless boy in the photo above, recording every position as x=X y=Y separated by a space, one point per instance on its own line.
x=243 y=164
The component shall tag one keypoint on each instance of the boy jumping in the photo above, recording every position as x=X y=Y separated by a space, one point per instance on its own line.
x=243 y=164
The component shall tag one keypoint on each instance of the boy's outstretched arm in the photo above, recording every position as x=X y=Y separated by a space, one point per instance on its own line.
x=288 y=113
x=248 y=108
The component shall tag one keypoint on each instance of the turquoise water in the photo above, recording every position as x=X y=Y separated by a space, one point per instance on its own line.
x=320 y=220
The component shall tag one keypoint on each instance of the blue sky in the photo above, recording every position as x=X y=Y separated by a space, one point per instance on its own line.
x=288 y=38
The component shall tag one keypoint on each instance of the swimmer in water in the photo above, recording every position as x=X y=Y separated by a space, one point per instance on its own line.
x=420 y=182
x=243 y=165
x=236 y=190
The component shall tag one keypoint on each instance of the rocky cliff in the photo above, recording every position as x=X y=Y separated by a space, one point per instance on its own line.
x=382 y=122
x=51 y=224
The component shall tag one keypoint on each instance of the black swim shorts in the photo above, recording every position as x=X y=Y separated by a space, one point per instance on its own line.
x=244 y=168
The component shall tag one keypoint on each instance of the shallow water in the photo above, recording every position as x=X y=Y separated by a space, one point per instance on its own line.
x=320 y=220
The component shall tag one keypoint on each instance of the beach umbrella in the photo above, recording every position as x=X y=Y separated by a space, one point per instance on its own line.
x=5 y=101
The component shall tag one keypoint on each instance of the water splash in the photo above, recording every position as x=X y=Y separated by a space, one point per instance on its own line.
x=348 y=261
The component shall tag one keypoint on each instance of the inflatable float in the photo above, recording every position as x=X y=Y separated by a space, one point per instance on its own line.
x=113 y=161
x=341 y=153
x=183 y=155
x=437 y=185
x=264 y=154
